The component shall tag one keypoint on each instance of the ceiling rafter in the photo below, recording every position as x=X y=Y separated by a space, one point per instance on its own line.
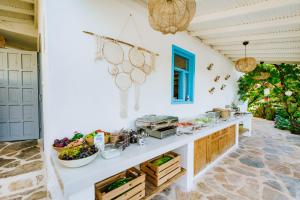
x=254 y=37
x=17 y=10
x=259 y=7
x=262 y=51
x=247 y=27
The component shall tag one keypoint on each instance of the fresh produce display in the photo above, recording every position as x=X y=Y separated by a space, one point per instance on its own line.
x=118 y=183
x=61 y=143
x=76 y=143
x=162 y=160
x=203 y=120
x=184 y=124
x=78 y=152
x=77 y=136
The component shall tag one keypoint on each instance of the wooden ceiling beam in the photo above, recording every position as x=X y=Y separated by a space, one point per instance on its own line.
x=251 y=9
x=261 y=51
x=264 y=55
x=255 y=37
x=28 y=1
x=252 y=47
x=275 y=59
x=19 y=28
x=16 y=10
x=247 y=27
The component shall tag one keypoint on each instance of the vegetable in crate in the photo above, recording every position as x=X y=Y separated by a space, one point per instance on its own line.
x=118 y=183
x=162 y=160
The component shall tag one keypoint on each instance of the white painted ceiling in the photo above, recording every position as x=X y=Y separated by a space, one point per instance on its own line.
x=18 y=23
x=271 y=26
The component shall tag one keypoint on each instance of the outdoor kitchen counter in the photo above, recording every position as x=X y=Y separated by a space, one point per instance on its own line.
x=74 y=180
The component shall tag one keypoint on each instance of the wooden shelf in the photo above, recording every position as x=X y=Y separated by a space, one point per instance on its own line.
x=152 y=190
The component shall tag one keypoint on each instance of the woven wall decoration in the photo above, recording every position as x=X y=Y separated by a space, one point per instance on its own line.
x=170 y=16
x=129 y=65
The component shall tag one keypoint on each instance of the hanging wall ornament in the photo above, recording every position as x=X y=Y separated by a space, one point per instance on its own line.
x=136 y=57
x=99 y=46
x=126 y=67
x=210 y=66
x=125 y=72
x=227 y=77
x=138 y=77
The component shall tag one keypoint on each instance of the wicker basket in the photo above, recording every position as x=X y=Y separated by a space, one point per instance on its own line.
x=262 y=76
x=245 y=65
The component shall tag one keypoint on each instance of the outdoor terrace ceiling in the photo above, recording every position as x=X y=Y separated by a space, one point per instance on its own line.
x=18 y=23
x=271 y=26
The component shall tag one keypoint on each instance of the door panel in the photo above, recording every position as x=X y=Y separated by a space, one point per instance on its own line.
x=18 y=95
x=200 y=154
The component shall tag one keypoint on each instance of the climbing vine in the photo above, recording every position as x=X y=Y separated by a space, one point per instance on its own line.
x=273 y=92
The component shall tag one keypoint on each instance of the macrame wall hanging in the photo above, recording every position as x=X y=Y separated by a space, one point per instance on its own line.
x=129 y=64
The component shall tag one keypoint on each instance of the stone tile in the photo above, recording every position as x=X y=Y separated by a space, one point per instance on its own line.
x=20 y=184
x=219 y=169
x=13 y=164
x=37 y=195
x=274 y=184
x=22 y=169
x=234 y=155
x=203 y=188
x=269 y=194
x=4 y=161
x=292 y=185
x=217 y=197
x=250 y=190
x=241 y=171
x=159 y=197
x=280 y=169
x=17 y=146
x=28 y=153
x=267 y=174
x=36 y=157
x=252 y=161
x=2 y=145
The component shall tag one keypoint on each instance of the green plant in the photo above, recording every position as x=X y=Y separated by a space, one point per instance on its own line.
x=284 y=84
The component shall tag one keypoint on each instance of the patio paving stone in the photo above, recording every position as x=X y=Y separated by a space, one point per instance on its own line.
x=266 y=166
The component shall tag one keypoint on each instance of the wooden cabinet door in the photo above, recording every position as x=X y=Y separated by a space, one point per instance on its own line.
x=232 y=135
x=214 y=148
x=222 y=144
x=200 y=154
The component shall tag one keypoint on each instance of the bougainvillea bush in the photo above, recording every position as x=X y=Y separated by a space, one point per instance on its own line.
x=273 y=93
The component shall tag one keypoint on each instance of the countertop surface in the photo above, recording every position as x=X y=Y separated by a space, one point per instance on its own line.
x=75 y=179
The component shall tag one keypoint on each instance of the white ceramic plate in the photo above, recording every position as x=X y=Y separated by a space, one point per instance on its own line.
x=78 y=163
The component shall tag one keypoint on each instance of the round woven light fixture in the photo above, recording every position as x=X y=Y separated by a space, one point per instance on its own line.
x=246 y=64
x=171 y=16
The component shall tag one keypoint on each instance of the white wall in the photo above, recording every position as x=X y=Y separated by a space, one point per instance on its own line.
x=79 y=94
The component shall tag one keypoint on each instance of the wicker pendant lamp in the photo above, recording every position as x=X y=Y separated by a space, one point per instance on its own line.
x=246 y=64
x=170 y=16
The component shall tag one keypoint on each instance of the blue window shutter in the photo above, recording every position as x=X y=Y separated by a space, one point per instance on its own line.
x=186 y=77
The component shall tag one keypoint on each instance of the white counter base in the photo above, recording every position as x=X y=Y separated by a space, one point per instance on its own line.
x=77 y=183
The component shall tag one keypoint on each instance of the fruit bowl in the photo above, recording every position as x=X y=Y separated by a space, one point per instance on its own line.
x=79 y=162
x=78 y=156
x=58 y=149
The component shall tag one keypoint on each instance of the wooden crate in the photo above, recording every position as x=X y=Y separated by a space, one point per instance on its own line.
x=158 y=175
x=133 y=190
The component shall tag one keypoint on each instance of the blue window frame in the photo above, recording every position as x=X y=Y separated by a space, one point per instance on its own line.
x=183 y=74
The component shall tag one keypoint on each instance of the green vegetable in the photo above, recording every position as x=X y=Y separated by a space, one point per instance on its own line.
x=118 y=183
x=77 y=136
x=162 y=160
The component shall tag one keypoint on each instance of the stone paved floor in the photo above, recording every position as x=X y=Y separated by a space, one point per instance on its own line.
x=21 y=171
x=266 y=166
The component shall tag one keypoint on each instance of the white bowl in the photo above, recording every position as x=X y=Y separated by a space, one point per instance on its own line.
x=78 y=163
